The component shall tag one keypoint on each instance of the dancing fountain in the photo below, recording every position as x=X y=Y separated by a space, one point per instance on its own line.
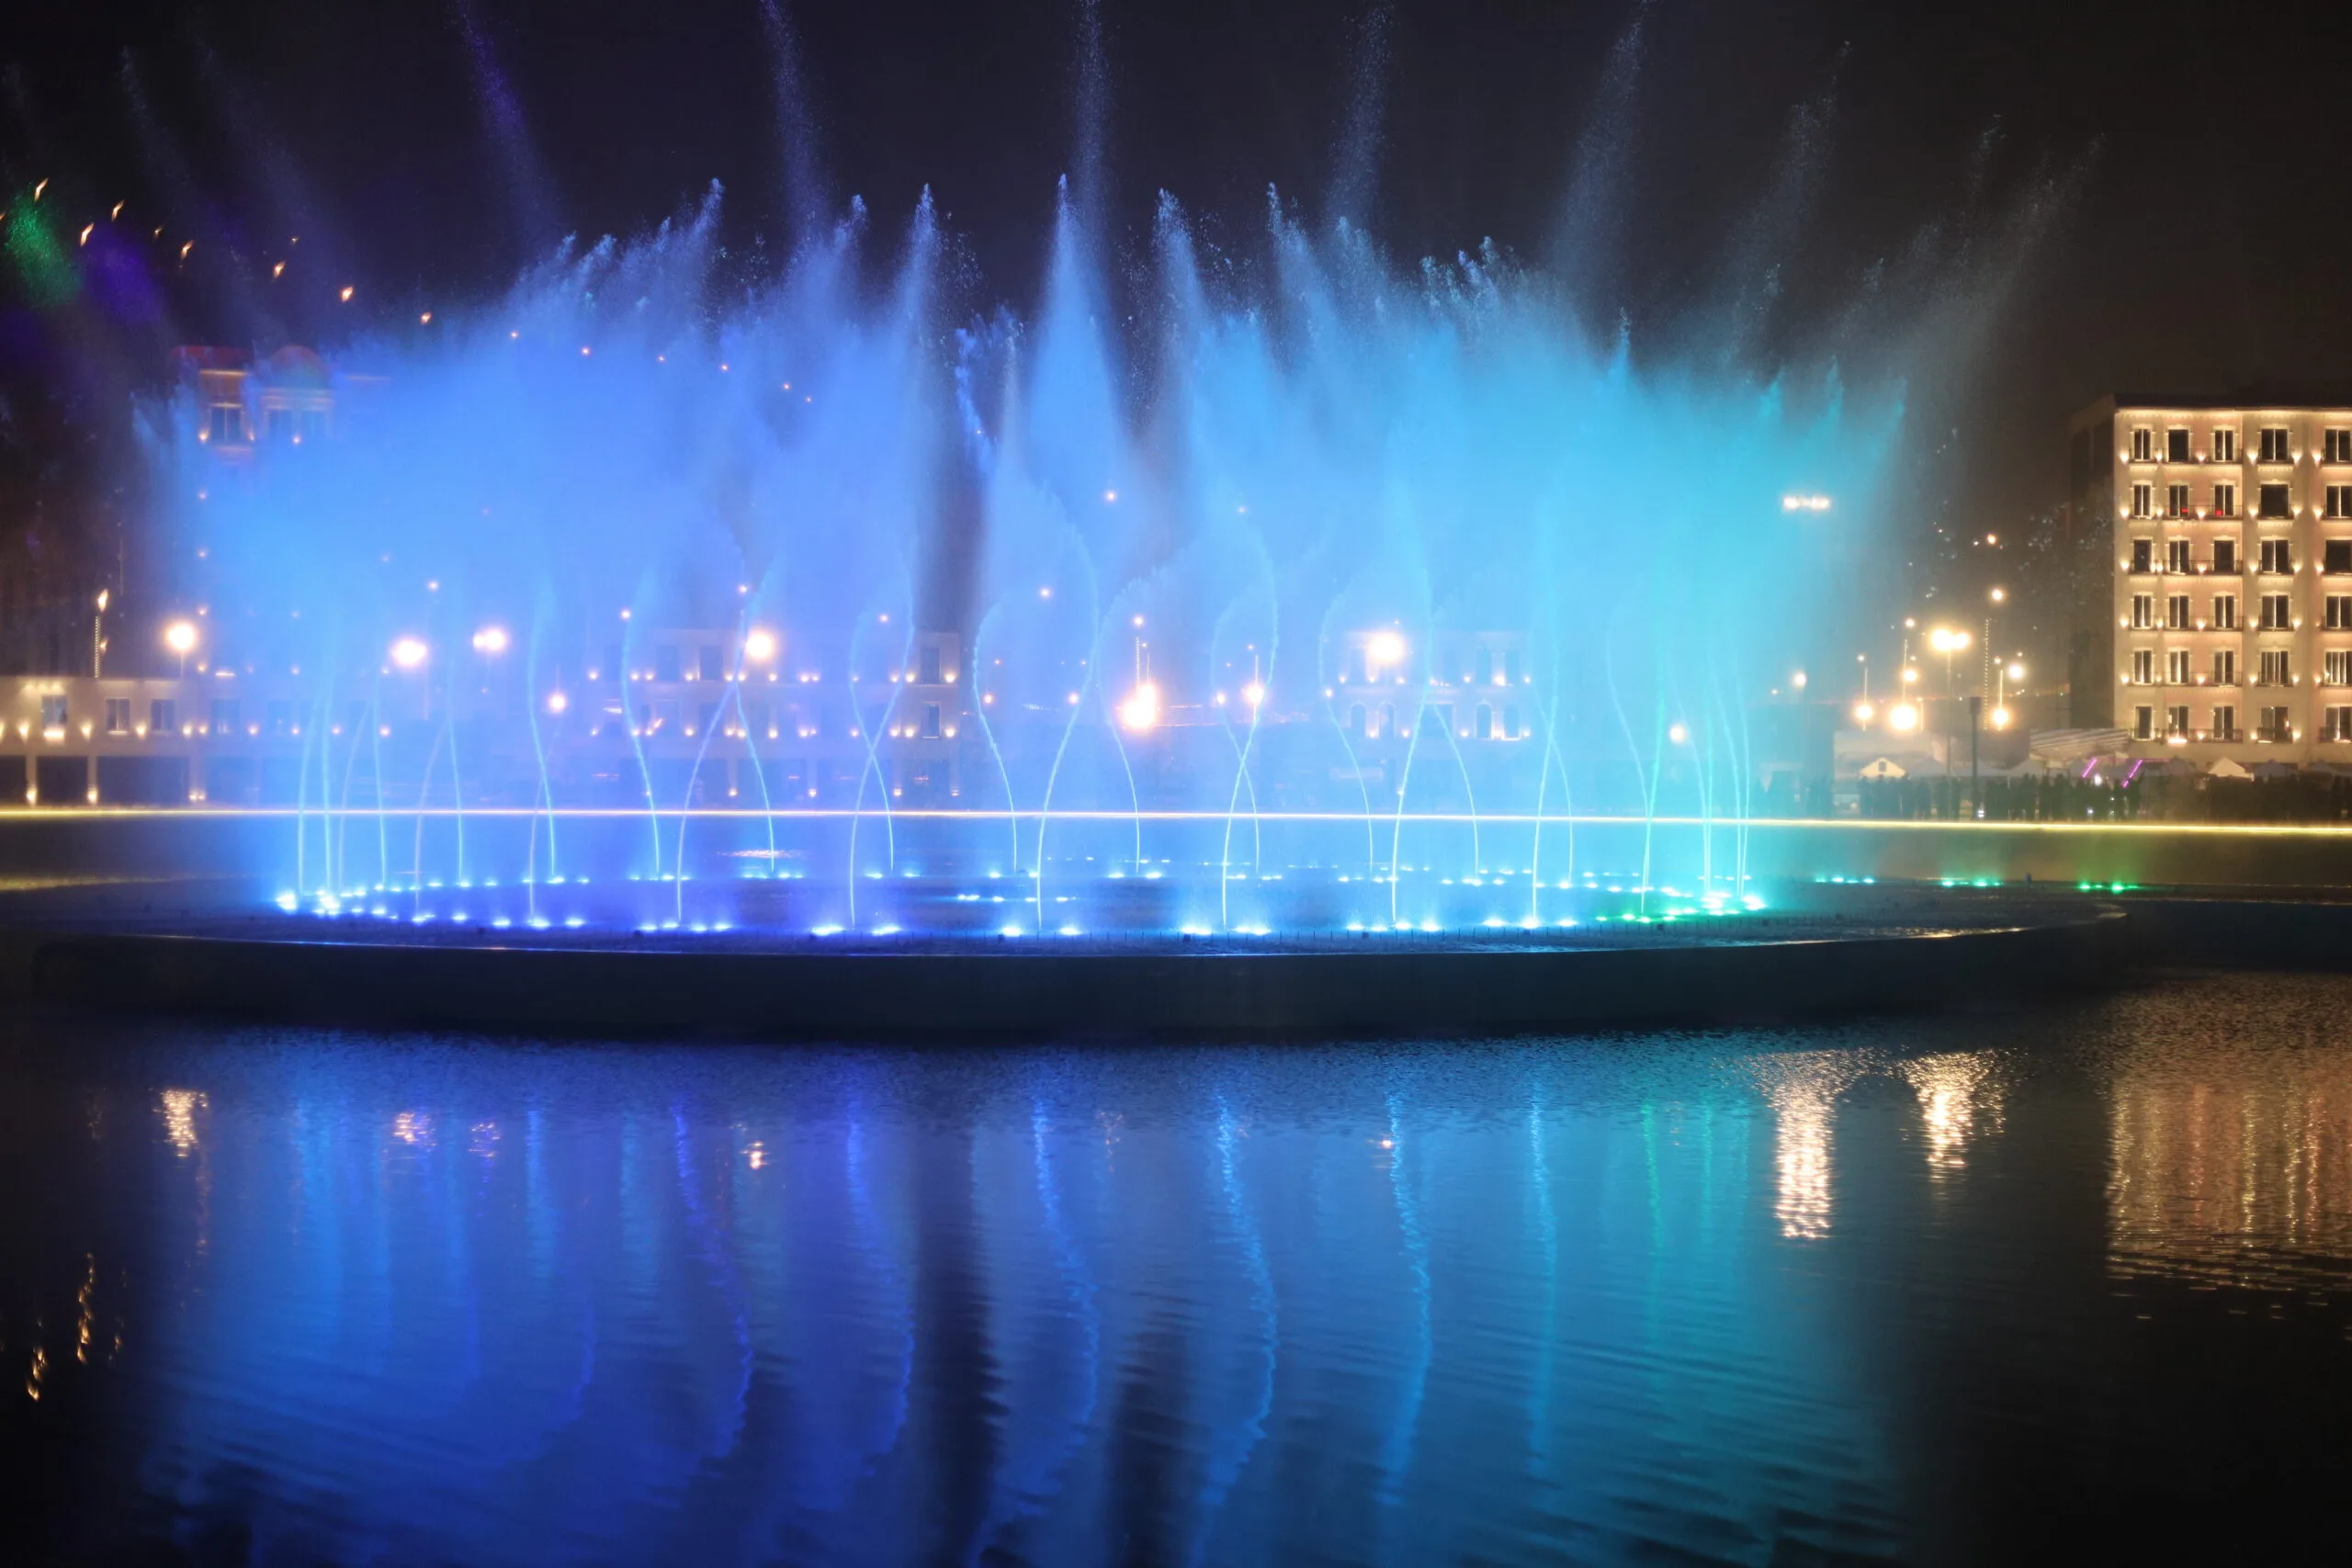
x=1302 y=599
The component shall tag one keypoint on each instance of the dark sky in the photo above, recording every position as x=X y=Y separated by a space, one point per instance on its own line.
x=2205 y=243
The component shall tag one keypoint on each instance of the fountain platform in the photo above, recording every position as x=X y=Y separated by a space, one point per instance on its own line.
x=221 y=947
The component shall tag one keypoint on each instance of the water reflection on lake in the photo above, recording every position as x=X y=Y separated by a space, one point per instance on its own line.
x=1895 y=1290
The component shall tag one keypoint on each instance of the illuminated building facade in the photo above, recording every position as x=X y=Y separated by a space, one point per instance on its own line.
x=687 y=710
x=2224 y=629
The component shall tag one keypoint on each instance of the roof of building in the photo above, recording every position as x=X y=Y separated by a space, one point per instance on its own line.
x=2263 y=394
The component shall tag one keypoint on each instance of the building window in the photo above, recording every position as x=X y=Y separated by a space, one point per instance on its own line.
x=2142 y=499
x=2143 y=444
x=2277 y=555
x=2339 y=501
x=2143 y=722
x=2177 y=721
x=1510 y=723
x=2338 y=443
x=1356 y=720
x=2274 y=668
x=2176 y=446
x=1485 y=720
x=2225 y=612
x=2276 y=616
x=53 y=713
x=2336 y=724
x=2225 y=445
x=930 y=671
x=2335 y=667
x=2270 y=723
x=162 y=716
x=224 y=715
x=1485 y=665
x=2225 y=501
x=2177 y=612
x=2225 y=555
x=2144 y=667
x=225 y=422
x=117 y=716
x=2225 y=667
x=2176 y=501
x=2144 y=610
x=2143 y=555
x=1511 y=666
x=1387 y=720
x=666 y=663
x=281 y=715
x=931 y=721
x=1437 y=720
x=2270 y=501
x=2177 y=667
x=709 y=666
x=2335 y=555
x=2175 y=555
x=2225 y=722
x=2338 y=609
x=2273 y=446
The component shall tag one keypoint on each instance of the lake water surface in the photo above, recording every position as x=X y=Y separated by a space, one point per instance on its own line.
x=1937 y=1289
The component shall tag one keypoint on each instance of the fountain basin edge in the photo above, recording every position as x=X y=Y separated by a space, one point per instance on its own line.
x=792 y=995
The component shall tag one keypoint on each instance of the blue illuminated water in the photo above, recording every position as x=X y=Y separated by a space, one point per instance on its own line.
x=1900 y=1290
x=1243 y=548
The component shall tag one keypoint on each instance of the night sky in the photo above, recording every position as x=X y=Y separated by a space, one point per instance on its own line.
x=2196 y=154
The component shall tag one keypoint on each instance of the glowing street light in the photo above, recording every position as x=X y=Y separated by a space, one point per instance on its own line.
x=490 y=641
x=1863 y=714
x=558 y=702
x=1254 y=693
x=1140 y=711
x=1804 y=503
x=1678 y=733
x=408 y=652
x=1904 y=717
x=1949 y=640
x=759 y=645
x=180 y=636
x=1999 y=717
x=1384 y=649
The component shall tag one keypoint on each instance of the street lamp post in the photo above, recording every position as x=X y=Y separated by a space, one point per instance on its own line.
x=98 y=638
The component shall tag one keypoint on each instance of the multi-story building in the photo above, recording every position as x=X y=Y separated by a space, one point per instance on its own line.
x=2225 y=626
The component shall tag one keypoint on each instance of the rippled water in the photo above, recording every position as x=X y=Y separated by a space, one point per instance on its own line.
x=1943 y=1290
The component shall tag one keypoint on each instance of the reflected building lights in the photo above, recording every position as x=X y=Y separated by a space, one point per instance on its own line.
x=179 y=1107
x=1955 y=1092
x=2233 y=1166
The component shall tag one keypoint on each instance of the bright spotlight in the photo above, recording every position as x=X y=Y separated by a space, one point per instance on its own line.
x=759 y=646
x=1904 y=717
x=1804 y=503
x=2017 y=670
x=180 y=638
x=1384 y=649
x=491 y=639
x=1254 y=693
x=1797 y=680
x=1140 y=711
x=408 y=652
x=558 y=702
x=1999 y=717
x=1863 y=714
x=1678 y=733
